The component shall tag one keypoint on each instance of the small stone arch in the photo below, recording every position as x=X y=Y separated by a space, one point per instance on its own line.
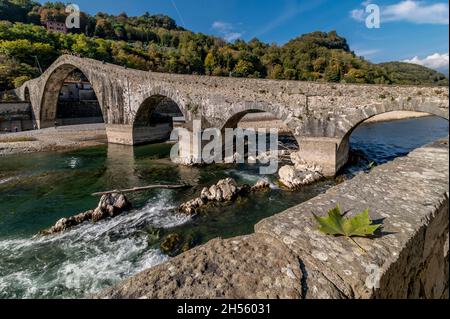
x=26 y=94
x=234 y=120
x=240 y=111
x=52 y=87
x=156 y=95
x=289 y=136
x=290 y=123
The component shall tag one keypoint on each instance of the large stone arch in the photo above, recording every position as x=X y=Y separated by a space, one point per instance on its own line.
x=52 y=85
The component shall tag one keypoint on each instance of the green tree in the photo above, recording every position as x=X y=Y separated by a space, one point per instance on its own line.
x=332 y=73
x=210 y=63
x=290 y=74
x=276 y=72
x=243 y=69
x=10 y=70
x=20 y=80
x=320 y=64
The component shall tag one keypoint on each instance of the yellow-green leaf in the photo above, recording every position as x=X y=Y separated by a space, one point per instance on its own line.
x=335 y=224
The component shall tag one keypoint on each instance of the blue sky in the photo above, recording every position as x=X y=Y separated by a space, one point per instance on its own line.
x=410 y=30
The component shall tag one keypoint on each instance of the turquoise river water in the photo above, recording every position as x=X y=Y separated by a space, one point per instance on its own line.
x=38 y=189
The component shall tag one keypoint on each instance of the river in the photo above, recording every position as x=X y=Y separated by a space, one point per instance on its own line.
x=38 y=189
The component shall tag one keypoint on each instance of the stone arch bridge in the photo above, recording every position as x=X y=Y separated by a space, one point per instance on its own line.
x=321 y=116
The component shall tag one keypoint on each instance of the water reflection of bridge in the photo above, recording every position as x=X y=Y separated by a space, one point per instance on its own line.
x=121 y=168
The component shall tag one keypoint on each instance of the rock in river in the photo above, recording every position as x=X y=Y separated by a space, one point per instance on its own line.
x=170 y=243
x=225 y=190
x=299 y=175
x=110 y=205
x=261 y=186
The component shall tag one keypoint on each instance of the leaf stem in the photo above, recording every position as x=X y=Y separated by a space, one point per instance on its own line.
x=359 y=246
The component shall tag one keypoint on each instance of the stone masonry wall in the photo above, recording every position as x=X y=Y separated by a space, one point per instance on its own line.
x=287 y=257
x=15 y=116
x=18 y=110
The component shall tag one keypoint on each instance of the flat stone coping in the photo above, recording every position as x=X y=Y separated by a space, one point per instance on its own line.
x=287 y=257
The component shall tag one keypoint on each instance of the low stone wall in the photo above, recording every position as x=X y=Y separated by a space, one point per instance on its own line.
x=15 y=117
x=287 y=257
x=15 y=126
x=8 y=109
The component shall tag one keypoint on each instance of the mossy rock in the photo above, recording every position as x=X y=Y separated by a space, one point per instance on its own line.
x=341 y=179
x=171 y=244
x=189 y=243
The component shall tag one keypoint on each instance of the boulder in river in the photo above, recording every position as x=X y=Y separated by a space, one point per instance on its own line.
x=190 y=207
x=110 y=205
x=261 y=186
x=170 y=244
x=225 y=190
x=301 y=165
x=293 y=178
x=175 y=244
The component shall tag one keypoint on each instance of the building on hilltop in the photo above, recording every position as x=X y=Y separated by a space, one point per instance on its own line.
x=55 y=26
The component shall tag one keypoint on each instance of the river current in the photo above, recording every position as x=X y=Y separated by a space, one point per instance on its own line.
x=38 y=189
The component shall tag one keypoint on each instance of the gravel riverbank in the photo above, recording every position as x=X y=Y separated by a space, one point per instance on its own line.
x=52 y=139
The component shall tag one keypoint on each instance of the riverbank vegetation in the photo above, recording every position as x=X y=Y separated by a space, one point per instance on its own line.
x=157 y=43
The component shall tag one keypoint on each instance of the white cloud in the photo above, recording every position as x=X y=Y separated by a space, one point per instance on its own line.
x=436 y=61
x=222 y=26
x=418 y=12
x=366 y=52
x=226 y=30
x=358 y=15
